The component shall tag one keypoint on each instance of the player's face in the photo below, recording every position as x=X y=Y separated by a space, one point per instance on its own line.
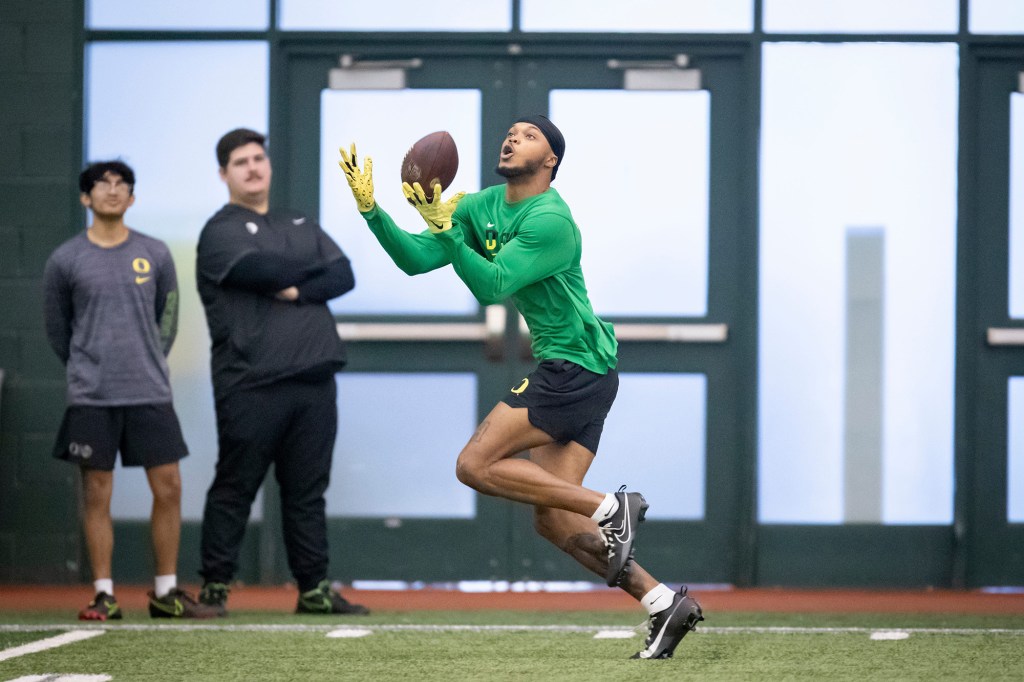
x=109 y=197
x=524 y=151
x=248 y=173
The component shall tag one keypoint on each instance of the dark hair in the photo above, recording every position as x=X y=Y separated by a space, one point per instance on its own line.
x=239 y=137
x=96 y=170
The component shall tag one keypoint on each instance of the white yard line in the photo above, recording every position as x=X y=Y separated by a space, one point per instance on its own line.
x=48 y=643
x=83 y=631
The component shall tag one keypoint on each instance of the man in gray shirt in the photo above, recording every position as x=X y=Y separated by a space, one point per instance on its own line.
x=111 y=307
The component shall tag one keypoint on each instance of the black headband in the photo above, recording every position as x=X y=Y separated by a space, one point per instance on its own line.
x=551 y=132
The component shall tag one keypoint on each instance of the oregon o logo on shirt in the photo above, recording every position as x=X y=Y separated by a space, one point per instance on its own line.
x=141 y=266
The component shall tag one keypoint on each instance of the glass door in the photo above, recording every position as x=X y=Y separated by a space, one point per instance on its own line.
x=657 y=173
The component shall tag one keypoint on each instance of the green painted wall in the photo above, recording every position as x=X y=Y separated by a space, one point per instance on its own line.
x=40 y=142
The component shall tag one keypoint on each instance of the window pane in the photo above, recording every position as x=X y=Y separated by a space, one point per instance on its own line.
x=1016 y=206
x=355 y=116
x=181 y=14
x=395 y=15
x=858 y=218
x=662 y=461
x=396 y=462
x=1015 y=451
x=161 y=107
x=996 y=16
x=861 y=16
x=689 y=16
x=666 y=163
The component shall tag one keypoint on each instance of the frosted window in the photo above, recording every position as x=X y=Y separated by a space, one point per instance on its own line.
x=394 y=461
x=654 y=441
x=861 y=16
x=180 y=14
x=371 y=119
x=395 y=15
x=857 y=135
x=646 y=256
x=678 y=16
x=161 y=107
x=996 y=16
x=1015 y=451
x=1016 y=295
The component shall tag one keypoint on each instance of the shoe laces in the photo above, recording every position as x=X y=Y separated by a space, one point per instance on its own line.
x=182 y=595
x=645 y=628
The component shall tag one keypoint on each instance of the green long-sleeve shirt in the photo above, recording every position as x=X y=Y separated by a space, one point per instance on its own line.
x=528 y=251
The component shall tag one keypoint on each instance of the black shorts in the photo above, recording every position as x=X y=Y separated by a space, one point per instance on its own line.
x=146 y=436
x=566 y=401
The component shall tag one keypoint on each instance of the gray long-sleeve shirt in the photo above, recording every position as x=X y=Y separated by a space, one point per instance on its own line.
x=111 y=317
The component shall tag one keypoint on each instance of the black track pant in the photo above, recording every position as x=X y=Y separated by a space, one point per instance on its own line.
x=291 y=424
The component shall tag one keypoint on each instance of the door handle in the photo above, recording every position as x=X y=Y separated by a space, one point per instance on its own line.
x=1005 y=336
x=491 y=331
x=696 y=332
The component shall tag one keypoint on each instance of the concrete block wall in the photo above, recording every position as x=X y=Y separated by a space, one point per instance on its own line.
x=40 y=155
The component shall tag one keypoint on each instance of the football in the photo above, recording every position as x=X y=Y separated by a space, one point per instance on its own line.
x=433 y=159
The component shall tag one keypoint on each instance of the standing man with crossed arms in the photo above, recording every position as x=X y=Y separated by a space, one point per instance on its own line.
x=519 y=241
x=265 y=276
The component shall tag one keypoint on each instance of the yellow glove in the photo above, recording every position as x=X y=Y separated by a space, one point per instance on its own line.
x=361 y=182
x=437 y=213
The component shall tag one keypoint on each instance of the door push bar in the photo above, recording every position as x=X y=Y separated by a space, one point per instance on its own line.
x=1005 y=336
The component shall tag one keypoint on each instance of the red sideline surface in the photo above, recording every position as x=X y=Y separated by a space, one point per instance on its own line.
x=70 y=598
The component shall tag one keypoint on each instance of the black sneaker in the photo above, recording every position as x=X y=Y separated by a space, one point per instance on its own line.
x=619 y=532
x=103 y=607
x=325 y=599
x=178 y=604
x=666 y=628
x=215 y=595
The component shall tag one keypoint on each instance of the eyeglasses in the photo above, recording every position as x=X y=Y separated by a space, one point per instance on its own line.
x=116 y=186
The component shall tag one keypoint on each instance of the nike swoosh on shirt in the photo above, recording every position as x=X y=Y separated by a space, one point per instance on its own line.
x=141 y=280
x=298 y=221
x=490 y=224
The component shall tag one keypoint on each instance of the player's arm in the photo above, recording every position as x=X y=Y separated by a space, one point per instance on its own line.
x=414 y=254
x=542 y=247
x=167 y=303
x=57 y=310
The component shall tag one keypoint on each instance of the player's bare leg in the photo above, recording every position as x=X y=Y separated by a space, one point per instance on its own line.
x=672 y=614
x=165 y=519
x=575 y=534
x=488 y=465
x=97 y=488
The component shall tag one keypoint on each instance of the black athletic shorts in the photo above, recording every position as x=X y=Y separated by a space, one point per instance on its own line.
x=146 y=436
x=566 y=401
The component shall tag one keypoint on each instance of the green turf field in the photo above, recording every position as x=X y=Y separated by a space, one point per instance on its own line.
x=488 y=645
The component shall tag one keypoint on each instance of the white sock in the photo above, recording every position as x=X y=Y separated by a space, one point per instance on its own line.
x=104 y=585
x=606 y=508
x=658 y=599
x=164 y=584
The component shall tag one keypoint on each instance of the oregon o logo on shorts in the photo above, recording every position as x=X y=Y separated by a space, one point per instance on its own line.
x=522 y=387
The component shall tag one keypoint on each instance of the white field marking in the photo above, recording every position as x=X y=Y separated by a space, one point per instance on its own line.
x=74 y=635
x=62 y=677
x=349 y=633
x=614 y=634
x=883 y=635
x=298 y=627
